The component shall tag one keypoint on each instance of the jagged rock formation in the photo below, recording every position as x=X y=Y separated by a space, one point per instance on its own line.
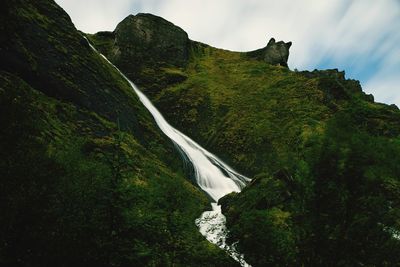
x=275 y=53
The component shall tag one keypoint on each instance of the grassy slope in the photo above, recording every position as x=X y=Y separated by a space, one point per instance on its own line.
x=77 y=187
x=338 y=153
x=324 y=157
x=235 y=102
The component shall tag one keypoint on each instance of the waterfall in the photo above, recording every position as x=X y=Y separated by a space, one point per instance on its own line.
x=212 y=175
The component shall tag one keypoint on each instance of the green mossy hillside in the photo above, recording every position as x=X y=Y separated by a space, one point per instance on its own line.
x=75 y=197
x=337 y=204
x=324 y=157
x=339 y=149
x=86 y=176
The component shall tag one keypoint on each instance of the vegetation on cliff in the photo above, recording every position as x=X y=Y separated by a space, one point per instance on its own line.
x=86 y=177
x=324 y=156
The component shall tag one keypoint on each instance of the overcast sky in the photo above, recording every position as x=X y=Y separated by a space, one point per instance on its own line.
x=361 y=37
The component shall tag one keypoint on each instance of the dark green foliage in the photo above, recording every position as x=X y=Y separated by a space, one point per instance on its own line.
x=261 y=223
x=89 y=201
x=86 y=176
x=340 y=205
x=352 y=173
x=273 y=238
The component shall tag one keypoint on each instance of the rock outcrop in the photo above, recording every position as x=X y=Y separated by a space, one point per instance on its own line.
x=275 y=53
x=151 y=39
x=147 y=48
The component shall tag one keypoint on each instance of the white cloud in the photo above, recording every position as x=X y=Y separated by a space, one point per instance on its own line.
x=385 y=83
x=96 y=15
x=360 y=36
x=385 y=90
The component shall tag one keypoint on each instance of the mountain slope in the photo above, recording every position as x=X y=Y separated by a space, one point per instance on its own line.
x=323 y=155
x=87 y=178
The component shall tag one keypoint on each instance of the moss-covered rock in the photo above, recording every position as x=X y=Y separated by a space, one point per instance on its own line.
x=151 y=50
x=151 y=39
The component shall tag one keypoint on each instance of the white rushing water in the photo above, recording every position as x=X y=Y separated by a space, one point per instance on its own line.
x=211 y=174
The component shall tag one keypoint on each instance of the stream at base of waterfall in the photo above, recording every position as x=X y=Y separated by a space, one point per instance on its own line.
x=212 y=226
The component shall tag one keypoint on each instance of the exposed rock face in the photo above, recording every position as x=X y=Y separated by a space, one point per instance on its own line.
x=146 y=47
x=275 y=53
x=151 y=39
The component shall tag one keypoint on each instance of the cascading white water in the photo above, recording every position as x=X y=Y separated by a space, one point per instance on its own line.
x=211 y=174
x=209 y=171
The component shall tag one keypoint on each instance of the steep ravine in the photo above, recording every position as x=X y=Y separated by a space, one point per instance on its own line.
x=212 y=175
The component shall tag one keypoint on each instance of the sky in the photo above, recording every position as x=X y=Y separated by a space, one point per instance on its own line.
x=361 y=37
